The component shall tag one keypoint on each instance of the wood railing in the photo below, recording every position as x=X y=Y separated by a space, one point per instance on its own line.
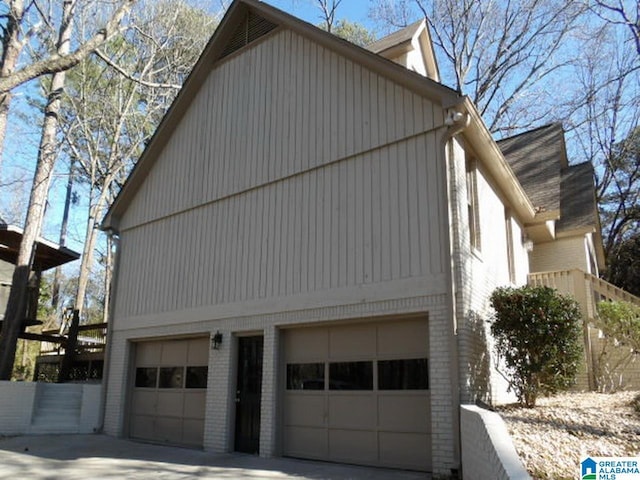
x=91 y=337
x=587 y=289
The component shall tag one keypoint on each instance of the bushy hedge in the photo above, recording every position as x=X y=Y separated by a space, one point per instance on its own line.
x=538 y=334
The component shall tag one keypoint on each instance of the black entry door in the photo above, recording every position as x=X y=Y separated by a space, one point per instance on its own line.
x=248 y=393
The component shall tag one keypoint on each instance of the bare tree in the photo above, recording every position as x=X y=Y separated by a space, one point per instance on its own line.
x=328 y=10
x=138 y=79
x=603 y=122
x=620 y=12
x=495 y=51
x=56 y=63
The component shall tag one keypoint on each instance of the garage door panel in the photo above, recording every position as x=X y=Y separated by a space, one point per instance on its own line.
x=198 y=351
x=404 y=412
x=308 y=442
x=306 y=344
x=194 y=404
x=353 y=341
x=168 y=430
x=192 y=432
x=143 y=402
x=142 y=426
x=174 y=352
x=410 y=450
x=305 y=410
x=164 y=406
x=353 y=446
x=404 y=338
x=170 y=403
x=148 y=353
x=372 y=403
x=352 y=411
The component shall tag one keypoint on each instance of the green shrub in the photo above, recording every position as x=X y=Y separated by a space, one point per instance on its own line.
x=538 y=333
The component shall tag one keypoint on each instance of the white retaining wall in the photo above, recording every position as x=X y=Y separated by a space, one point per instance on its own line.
x=16 y=406
x=487 y=451
x=18 y=399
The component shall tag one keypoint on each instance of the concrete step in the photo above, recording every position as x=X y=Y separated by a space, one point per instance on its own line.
x=57 y=409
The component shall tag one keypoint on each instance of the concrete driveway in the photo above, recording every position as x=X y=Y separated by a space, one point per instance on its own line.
x=85 y=457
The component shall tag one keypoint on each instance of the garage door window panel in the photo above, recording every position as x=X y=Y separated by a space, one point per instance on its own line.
x=409 y=374
x=305 y=376
x=196 y=377
x=171 y=377
x=351 y=376
x=146 y=377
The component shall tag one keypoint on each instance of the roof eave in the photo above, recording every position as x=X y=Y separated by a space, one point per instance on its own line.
x=411 y=80
x=493 y=159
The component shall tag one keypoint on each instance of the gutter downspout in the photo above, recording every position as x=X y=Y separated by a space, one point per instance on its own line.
x=115 y=239
x=456 y=122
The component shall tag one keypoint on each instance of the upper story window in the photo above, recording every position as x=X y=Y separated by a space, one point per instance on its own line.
x=510 y=255
x=472 y=203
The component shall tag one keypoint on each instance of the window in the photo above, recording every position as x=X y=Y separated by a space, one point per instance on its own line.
x=510 y=258
x=472 y=203
x=146 y=377
x=171 y=377
x=412 y=374
x=196 y=377
x=305 y=376
x=351 y=376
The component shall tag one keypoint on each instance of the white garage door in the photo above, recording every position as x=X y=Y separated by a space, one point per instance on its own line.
x=169 y=390
x=359 y=394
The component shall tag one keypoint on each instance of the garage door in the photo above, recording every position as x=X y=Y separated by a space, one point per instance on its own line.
x=359 y=394
x=169 y=390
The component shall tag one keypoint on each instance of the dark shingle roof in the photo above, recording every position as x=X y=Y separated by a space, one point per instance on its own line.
x=537 y=157
x=396 y=38
x=577 y=198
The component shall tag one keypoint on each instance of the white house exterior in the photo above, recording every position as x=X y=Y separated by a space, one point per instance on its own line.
x=306 y=250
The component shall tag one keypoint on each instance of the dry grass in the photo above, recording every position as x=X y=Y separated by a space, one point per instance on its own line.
x=553 y=437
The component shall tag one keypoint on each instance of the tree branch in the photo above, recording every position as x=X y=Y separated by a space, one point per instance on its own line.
x=102 y=56
x=58 y=63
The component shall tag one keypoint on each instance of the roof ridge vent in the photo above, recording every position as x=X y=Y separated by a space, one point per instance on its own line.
x=250 y=29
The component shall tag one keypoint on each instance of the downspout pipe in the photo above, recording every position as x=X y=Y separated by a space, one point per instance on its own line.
x=456 y=122
x=115 y=240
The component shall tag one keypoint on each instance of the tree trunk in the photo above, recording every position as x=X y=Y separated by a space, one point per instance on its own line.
x=55 y=289
x=87 y=259
x=37 y=201
x=11 y=48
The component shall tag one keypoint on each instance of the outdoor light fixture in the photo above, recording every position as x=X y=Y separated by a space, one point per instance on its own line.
x=216 y=340
x=528 y=245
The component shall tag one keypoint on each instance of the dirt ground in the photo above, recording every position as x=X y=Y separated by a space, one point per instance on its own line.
x=553 y=437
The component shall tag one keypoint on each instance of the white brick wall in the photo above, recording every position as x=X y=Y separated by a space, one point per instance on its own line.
x=487 y=450
x=561 y=254
x=476 y=275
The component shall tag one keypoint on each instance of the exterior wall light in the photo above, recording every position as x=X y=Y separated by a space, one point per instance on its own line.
x=216 y=340
x=528 y=245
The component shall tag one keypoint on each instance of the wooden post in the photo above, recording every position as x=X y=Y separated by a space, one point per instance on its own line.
x=70 y=348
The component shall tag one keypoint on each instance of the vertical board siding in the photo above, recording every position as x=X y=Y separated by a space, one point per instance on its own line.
x=349 y=223
x=281 y=107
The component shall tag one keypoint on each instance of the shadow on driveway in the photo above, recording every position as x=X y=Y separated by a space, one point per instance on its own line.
x=84 y=457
